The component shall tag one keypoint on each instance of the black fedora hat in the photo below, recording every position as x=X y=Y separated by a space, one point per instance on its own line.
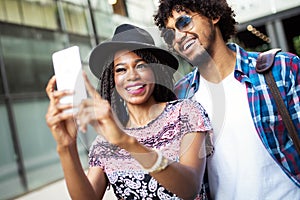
x=129 y=37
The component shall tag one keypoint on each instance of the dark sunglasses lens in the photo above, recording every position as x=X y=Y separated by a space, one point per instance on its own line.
x=168 y=35
x=182 y=22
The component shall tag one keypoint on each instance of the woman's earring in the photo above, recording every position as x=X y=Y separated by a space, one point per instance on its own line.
x=125 y=105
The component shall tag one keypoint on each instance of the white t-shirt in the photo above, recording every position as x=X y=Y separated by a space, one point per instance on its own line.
x=241 y=168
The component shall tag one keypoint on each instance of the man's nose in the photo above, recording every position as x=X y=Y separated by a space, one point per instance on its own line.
x=178 y=36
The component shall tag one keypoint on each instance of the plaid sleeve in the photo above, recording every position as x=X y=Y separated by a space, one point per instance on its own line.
x=186 y=87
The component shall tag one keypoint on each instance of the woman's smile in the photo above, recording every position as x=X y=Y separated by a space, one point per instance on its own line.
x=134 y=78
x=136 y=88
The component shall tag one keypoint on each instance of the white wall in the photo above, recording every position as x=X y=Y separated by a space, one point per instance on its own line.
x=247 y=10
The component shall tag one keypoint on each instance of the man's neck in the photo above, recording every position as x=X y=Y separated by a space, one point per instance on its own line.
x=221 y=64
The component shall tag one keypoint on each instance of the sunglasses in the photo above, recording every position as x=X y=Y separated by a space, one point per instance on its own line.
x=183 y=23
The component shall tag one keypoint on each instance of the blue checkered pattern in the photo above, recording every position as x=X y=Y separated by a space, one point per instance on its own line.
x=268 y=122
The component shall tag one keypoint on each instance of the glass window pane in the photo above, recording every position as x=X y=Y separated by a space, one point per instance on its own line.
x=105 y=28
x=101 y=5
x=84 y=44
x=50 y=17
x=2 y=11
x=77 y=2
x=38 y=146
x=13 y=13
x=40 y=14
x=9 y=177
x=1 y=86
x=27 y=57
x=33 y=14
x=75 y=17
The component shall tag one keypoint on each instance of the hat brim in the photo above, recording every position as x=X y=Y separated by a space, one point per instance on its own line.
x=101 y=54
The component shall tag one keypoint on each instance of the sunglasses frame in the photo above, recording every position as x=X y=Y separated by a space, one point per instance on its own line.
x=169 y=34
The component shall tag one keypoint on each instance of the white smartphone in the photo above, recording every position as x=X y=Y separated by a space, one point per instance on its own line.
x=68 y=71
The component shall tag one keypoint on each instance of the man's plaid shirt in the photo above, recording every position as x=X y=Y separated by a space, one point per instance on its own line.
x=267 y=121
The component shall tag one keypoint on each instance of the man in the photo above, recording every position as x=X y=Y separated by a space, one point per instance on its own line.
x=254 y=157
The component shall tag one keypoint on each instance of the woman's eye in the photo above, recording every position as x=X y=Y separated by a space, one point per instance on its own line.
x=140 y=66
x=120 y=70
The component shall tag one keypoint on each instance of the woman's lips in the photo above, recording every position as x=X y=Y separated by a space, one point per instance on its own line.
x=136 y=89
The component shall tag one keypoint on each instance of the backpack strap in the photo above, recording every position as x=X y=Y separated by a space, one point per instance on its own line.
x=264 y=63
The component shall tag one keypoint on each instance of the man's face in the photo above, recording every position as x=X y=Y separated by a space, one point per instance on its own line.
x=193 y=35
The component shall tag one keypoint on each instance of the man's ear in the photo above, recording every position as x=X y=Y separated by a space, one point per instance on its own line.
x=216 y=20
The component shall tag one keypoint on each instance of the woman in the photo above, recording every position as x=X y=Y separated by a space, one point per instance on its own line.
x=150 y=145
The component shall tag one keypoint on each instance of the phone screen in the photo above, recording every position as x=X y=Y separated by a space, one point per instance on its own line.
x=68 y=71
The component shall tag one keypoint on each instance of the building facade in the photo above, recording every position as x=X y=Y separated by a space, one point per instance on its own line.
x=31 y=30
x=268 y=24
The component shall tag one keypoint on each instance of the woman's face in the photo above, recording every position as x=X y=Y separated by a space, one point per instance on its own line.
x=134 y=79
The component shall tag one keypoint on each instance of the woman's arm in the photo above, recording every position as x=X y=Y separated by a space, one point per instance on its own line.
x=183 y=178
x=81 y=186
x=64 y=130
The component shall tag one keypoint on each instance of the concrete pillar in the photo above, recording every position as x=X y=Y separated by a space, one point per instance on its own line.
x=275 y=31
x=281 y=37
x=272 y=34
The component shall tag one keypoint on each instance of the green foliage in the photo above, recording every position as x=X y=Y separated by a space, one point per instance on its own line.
x=296 y=41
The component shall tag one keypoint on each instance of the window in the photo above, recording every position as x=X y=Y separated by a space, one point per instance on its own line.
x=40 y=14
x=75 y=18
x=9 y=176
x=10 y=11
x=1 y=84
x=27 y=57
x=33 y=13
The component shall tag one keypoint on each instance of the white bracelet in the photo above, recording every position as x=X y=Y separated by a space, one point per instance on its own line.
x=160 y=164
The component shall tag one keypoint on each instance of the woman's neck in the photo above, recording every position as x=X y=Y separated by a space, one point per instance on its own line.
x=141 y=115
